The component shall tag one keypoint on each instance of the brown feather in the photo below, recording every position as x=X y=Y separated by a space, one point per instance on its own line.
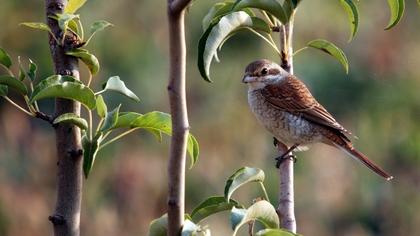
x=292 y=95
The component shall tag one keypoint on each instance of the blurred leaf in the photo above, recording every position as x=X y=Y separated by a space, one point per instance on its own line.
x=111 y=119
x=5 y=58
x=73 y=5
x=32 y=70
x=90 y=149
x=101 y=107
x=22 y=73
x=397 y=10
x=262 y=211
x=14 y=83
x=89 y=59
x=64 y=87
x=72 y=119
x=271 y=6
x=36 y=25
x=332 y=50
x=3 y=90
x=353 y=16
x=218 y=9
x=218 y=31
x=242 y=176
x=97 y=26
x=114 y=83
x=161 y=122
x=275 y=232
x=75 y=26
x=210 y=206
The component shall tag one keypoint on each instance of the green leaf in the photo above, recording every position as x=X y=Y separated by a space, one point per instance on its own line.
x=5 y=58
x=37 y=25
x=111 y=119
x=101 y=107
x=397 y=10
x=3 y=90
x=90 y=149
x=73 y=5
x=212 y=205
x=125 y=119
x=32 y=70
x=72 y=119
x=64 y=19
x=353 y=16
x=114 y=83
x=22 y=73
x=89 y=59
x=161 y=122
x=159 y=226
x=64 y=87
x=271 y=6
x=218 y=31
x=332 y=50
x=97 y=26
x=218 y=9
x=193 y=149
x=14 y=83
x=261 y=211
x=242 y=176
x=275 y=232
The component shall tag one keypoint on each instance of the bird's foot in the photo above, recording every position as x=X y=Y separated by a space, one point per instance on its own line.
x=282 y=158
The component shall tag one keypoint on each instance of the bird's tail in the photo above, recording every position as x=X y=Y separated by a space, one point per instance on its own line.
x=349 y=149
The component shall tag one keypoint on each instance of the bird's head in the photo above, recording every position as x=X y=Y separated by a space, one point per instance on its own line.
x=263 y=72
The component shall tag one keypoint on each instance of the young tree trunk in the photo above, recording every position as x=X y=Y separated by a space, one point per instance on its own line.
x=286 y=207
x=66 y=217
x=180 y=126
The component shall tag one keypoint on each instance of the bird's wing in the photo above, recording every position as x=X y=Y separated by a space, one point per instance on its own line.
x=292 y=95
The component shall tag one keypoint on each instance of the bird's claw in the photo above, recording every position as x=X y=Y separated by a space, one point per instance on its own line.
x=282 y=158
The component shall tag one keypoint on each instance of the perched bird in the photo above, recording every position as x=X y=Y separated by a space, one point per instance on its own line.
x=285 y=107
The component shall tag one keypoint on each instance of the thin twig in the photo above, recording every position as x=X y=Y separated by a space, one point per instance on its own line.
x=264 y=191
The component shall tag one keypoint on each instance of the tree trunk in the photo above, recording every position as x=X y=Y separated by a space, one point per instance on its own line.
x=286 y=207
x=66 y=217
x=180 y=126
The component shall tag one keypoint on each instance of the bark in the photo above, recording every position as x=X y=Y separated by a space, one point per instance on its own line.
x=178 y=106
x=286 y=207
x=66 y=216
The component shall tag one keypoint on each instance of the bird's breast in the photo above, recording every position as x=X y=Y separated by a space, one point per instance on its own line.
x=285 y=126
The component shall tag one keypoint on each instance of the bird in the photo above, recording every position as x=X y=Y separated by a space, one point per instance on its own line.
x=286 y=108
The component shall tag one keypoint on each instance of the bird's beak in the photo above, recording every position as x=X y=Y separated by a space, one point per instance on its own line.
x=249 y=79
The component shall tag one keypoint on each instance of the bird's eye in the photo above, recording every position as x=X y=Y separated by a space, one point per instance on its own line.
x=264 y=71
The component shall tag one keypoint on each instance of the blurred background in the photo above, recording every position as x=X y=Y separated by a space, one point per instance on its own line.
x=379 y=101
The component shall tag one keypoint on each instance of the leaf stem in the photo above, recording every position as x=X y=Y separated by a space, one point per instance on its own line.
x=118 y=137
x=35 y=102
x=266 y=40
x=299 y=50
x=264 y=191
x=18 y=107
x=90 y=79
x=90 y=125
x=8 y=70
x=267 y=18
x=99 y=125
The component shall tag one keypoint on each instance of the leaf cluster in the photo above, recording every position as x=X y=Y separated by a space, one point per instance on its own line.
x=264 y=18
x=261 y=210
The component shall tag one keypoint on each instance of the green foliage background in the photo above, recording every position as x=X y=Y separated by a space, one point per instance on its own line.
x=379 y=101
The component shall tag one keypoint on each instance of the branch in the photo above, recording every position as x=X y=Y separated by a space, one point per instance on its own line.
x=66 y=216
x=178 y=5
x=180 y=126
x=286 y=207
